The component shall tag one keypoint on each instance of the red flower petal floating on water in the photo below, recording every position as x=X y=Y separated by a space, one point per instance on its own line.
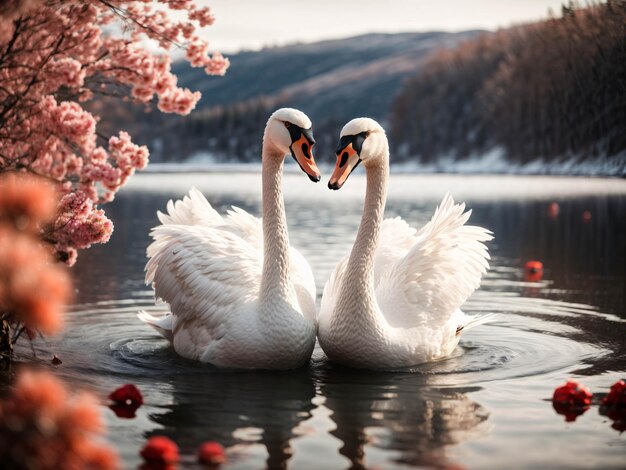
x=553 y=210
x=127 y=395
x=533 y=271
x=126 y=400
x=614 y=405
x=616 y=396
x=211 y=453
x=160 y=452
x=571 y=400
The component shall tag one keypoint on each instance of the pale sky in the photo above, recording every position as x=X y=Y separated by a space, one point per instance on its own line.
x=252 y=24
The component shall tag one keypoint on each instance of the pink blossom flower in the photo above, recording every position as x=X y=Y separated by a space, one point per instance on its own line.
x=203 y=15
x=65 y=72
x=56 y=60
x=43 y=424
x=217 y=65
x=33 y=289
x=179 y=101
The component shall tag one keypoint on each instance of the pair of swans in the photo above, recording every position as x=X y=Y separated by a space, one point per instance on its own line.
x=241 y=297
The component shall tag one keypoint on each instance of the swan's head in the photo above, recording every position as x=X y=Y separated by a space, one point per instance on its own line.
x=290 y=131
x=361 y=140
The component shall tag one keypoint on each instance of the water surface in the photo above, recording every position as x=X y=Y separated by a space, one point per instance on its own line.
x=486 y=406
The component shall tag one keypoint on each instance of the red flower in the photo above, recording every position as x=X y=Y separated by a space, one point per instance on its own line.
x=128 y=395
x=160 y=452
x=126 y=400
x=533 y=271
x=571 y=400
x=614 y=406
x=211 y=453
x=616 y=396
x=553 y=210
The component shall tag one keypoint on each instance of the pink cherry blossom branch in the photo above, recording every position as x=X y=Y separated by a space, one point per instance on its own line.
x=54 y=57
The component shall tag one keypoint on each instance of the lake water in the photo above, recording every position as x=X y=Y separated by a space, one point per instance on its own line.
x=487 y=406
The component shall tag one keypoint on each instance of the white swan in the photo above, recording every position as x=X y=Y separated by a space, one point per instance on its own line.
x=394 y=302
x=239 y=295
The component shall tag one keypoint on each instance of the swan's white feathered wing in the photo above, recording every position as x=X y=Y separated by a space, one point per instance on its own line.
x=210 y=278
x=428 y=285
x=208 y=269
x=421 y=279
x=192 y=209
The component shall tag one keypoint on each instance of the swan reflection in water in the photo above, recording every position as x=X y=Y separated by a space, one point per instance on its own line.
x=397 y=411
x=371 y=411
x=239 y=408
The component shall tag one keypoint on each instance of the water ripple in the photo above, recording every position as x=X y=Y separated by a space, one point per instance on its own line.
x=515 y=345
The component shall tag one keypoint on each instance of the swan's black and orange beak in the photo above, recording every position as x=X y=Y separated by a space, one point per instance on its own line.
x=302 y=142
x=347 y=159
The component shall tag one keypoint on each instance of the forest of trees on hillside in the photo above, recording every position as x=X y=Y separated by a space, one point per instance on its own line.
x=236 y=130
x=555 y=89
x=228 y=133
x=331 y=80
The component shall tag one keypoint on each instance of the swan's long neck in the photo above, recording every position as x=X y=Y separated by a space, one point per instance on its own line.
x=276 y=287
x=357 y=290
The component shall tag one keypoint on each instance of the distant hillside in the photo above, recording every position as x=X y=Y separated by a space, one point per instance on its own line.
x=336 y=74
x=542 y=96
x=332 y=81
x=546 y=97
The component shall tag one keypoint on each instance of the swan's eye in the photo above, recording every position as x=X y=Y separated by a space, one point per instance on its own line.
x=357 y=141
x=287 y=124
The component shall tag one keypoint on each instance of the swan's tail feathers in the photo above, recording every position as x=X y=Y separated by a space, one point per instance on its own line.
x=163 y=325
x=192 y=209
x=475 y=320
